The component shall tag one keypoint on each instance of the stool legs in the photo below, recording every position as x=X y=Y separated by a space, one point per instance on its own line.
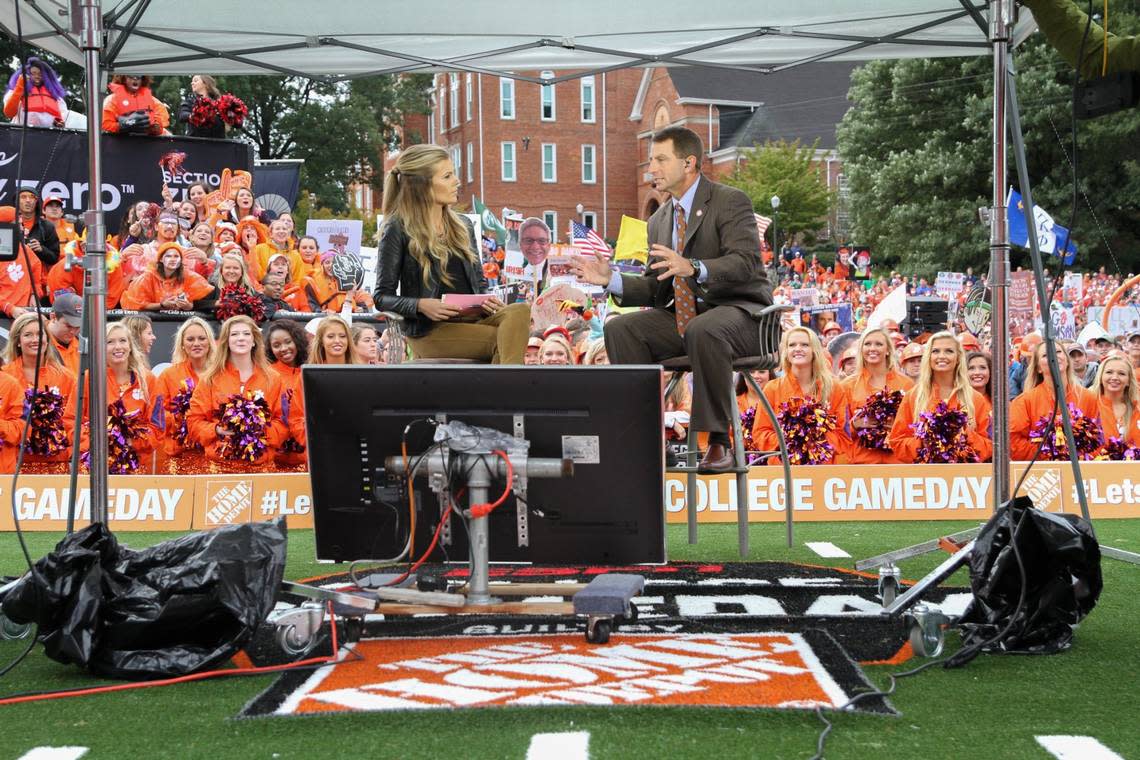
x=783 y=444
x=741 y=459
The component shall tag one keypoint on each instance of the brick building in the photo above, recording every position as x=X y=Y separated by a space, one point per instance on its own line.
x=544 y=151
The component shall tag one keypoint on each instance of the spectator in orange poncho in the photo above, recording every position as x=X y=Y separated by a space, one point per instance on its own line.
x=193 y=351
x=239 y=372
x=279 y=244
x=942 y=377
x=1118 y=393
x=63 y=328
x=250 y=234
x=168 y=285
x=806 y=376
x=130 y=93
x=1038 y=400
x=55 y=381
x=310 y=252
x=875 y=370
x=325 y=294
x=15 y=283
x=67 y=273
x=288 y=350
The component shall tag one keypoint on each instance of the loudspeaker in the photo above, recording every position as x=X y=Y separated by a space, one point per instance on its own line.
x=925 y=315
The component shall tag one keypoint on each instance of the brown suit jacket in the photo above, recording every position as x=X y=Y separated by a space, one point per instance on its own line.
x=721 y=232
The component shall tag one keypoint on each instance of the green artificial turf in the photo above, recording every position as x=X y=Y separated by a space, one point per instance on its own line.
x=991 y=709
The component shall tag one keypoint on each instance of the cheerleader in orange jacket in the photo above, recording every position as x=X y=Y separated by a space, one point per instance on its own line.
x=942 y=377
x=130 y=400
x=1038 y=400
x=1118 y=393
x=193 y=351
x=288 y=350
x=875 y=370
x=806 y=375
x=53 y=417
x=11 y=421
x=240 y=383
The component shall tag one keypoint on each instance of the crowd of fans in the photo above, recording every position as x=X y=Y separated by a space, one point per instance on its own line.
x=231 y=401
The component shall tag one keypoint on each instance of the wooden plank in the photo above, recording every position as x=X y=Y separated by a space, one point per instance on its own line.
x=507 y=608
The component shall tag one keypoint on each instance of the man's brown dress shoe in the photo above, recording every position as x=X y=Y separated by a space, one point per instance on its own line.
x=718 y=458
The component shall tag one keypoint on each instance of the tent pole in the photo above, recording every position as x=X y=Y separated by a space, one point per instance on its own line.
x=94 y=261
x=1001 y=22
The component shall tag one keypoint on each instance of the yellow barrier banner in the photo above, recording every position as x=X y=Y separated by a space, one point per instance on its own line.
x=905 y=492
x=134 y=502
x=234 y=499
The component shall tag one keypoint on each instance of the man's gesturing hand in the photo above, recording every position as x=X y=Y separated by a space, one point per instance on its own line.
x=670 y=263
x=594 y=270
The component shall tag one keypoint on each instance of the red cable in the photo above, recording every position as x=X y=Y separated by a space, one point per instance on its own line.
x=482 y=510
x=186 y=678
x=431 y=547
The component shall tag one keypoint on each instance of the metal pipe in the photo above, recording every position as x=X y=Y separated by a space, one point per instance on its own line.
x=1000 y=21
x=94 y=262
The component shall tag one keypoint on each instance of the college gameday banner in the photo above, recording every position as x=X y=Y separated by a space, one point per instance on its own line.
x=134 y=502
x=908 y=492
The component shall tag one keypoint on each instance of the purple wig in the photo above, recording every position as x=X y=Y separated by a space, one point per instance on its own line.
x=51 y=81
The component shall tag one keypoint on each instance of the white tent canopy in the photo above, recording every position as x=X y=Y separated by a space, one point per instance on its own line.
x=353 y=38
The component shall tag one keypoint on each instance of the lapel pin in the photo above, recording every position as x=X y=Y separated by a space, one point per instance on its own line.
x=699 y=212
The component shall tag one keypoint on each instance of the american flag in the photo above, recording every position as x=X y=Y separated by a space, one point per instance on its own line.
x=587 y=241
x=762 y=223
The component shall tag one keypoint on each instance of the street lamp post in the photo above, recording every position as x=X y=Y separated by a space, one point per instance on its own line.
x=775 y=237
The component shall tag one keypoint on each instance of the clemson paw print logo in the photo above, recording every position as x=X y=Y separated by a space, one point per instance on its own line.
x=15 y=271
x=137 y=394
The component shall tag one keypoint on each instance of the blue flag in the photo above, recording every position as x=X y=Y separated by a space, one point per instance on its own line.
x=1052 y=238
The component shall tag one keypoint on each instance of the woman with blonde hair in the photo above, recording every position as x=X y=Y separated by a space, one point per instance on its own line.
x=806 y=378
x=1037 y=401
x=876 y=371
x=332 y=343
x=142 y=333
x=53 y=410
x=427 y=250
x=193 y=350
x=366 y=340
x=235 y=412
x=1118 y=393
x=130 y=403
x=942 y=378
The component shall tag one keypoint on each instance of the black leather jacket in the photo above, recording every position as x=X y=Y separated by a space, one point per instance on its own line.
x=399 y=269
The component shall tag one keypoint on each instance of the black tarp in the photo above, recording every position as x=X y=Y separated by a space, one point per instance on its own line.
x=175 y=608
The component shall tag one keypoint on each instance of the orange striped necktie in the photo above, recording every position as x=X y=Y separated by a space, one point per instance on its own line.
x=684 y=301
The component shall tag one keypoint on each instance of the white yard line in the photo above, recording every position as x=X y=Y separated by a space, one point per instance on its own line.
x=1076 y=748
x=571 y=745
x=826 y=549
x=54 y=753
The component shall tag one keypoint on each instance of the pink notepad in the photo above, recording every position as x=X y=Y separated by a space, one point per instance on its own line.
x=470 y=304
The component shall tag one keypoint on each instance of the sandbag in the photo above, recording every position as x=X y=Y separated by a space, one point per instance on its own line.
x=175 y=608
x=1063 y=580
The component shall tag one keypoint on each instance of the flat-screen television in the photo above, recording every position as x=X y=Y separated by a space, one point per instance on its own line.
x=609 y=420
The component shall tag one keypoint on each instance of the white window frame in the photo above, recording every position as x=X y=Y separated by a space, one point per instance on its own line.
x=503 y=148
x=590 y=220
x=506 y=98
x=551 y=219
x=431 y=119
x=469 y=93
x=453 y=99
x=543 y=92
x=553 y=162
x=592 y=163
x=588 y=81
x=470 y=162
x=456 y=159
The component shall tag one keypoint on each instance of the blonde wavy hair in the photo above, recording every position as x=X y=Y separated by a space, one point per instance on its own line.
x=1034 y=377
x=136 y=364
x=12 y=351
x=408 y=198
x=179 y=353
x=221 y=357
x=924 y=385
x=892 y=362
x=318 y=356
x=820 y=362
x=1131 y=391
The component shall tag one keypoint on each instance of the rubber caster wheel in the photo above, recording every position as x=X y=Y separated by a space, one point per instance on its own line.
x=599 y=632
x=291 y=642
x=888 y=591
x=12 y=630
x=630 y=617
x=353 y=628
x=927 y=640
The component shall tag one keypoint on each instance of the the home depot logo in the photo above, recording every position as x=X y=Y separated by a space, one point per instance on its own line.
x=229 y=502
x=1043 y=486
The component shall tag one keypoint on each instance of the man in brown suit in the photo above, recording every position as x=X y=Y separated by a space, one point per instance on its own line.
x=705 y=285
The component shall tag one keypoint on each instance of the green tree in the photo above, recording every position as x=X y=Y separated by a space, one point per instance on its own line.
x=341 y=130
x=792 y=172
x=917 y=147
